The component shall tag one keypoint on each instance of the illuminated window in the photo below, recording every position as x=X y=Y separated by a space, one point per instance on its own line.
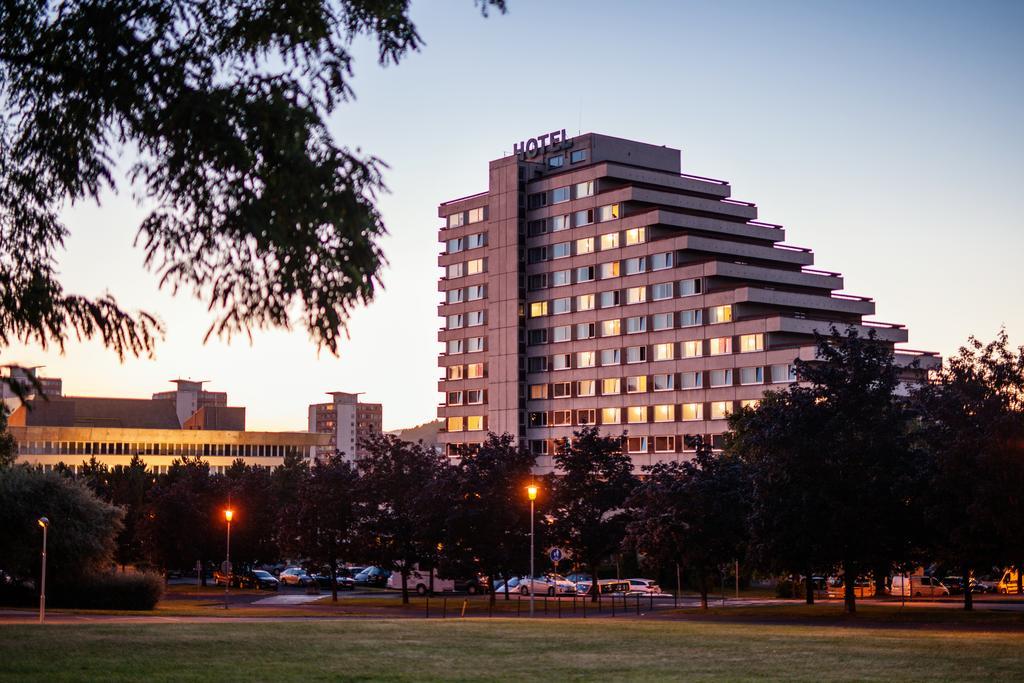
x=636 y=414
x=693 y=411
x=607 y=213
x=610 y=241
x=750 y=403
x=662 y=321
x=636 y=236
x=720 y=409
x=561 y=278
x=560 y=306
x=752 y=375
x=585 y=302
x=611 y=416
x=664 y=351
x=663 y=382
x=611 y=386
x=455 y=346
x=557 y=223
x=476 y=215
x=561 y=390
x=662 y=261
x=636 y=295
x=665 y=413
x=586 y=359
x=475 y=370
x=636 y=444
x=691 y=349
x=538 y=309
x=561 y=333
x=751 y=342
x=721 y=378
x=454 y=372
x=585 y=245
x=664 y=444
x=455 y=321
x=538 y=391
x=608 y=270
x=455 y=398
x=475 y=423
x=636 y=324
x=636 y=354
x=720 y=314
x=585 y=189
x=611 y=356
x=559 y=195
x=611 y=328
x=586 y=330
x=456 y=220
x=633 y=266
x=689 y=287
x=475 y=267
x=454 y=424
x=720 y=346
x=586 y=387
x=456 y=270
x=636 y=384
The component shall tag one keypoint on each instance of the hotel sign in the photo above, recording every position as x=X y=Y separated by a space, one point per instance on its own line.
x=548 y=142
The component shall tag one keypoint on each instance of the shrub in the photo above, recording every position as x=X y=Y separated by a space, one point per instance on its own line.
x=137 y=591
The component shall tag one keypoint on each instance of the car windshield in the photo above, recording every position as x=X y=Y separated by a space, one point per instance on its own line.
x=262 y=574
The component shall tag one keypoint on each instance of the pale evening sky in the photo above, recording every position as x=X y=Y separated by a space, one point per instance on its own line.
x=885 y=136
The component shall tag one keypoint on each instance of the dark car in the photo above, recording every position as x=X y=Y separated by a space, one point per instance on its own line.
x=472 y=585
x=323 y=580
x=373 y=576
x=257 y=578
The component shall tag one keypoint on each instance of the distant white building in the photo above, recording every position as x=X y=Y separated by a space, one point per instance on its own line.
x=347 y=420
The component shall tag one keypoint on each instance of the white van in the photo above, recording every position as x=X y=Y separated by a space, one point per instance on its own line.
x=1008 y=584
x=419 y=582
x=918 y=587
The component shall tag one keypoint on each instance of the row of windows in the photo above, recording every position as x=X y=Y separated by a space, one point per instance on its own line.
x=471 y=293
x=134 y=448
x=471 y=267
x=470 y=397
x=457 y=220
x=617 y=297
x=638 y=324
x=683 y=381
x=668 y=412
x=638 y=444
x=467 y=345
x=468 y=371
x=605 y=271
x=588 y=245
x=468 y=319
x=469 y=423
x=561 y=194
x=716 y=346
x=575 y=157
x=474 y=241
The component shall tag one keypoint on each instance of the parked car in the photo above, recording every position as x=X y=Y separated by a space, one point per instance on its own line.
x=258 y=579
x=372 y=576
x=955 y=584
x=295 y=576
x=1008 y=583
x=918 y=587
x=578 y=577
x=835 y=587
x=606 y=586
x=549 y=584
x=644 y=586
x=323 y=580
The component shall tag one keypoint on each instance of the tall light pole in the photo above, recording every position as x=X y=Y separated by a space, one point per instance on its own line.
x=45 y=523
x=531 y=491
x=228 y=514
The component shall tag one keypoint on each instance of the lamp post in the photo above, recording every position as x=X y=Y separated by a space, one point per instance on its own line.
x=45 y=523
x=531 y=491
x=228 y=514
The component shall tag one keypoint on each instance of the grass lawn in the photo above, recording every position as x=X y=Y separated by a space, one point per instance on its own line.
x=506 y=649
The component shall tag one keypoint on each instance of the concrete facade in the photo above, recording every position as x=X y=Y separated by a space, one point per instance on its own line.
x=596 y=260
x=347 y=420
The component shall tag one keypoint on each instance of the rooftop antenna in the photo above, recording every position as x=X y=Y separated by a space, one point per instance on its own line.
x=579 y=130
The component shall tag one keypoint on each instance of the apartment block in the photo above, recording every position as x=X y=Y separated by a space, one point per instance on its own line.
x=595 y=283
x=347 y=420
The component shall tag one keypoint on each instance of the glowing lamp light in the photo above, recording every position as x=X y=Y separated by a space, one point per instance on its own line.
x=531 y=491
x=43 y=522
x=228 y=514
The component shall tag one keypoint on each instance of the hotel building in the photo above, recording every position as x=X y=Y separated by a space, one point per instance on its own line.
x=347 y=420
x=594 y=283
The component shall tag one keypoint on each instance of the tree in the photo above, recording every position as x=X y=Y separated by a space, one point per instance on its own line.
x=782 y=442
x=588 y=499
x=395 y=481
x=488 y=520
x=129 y=489
x=973 y=424
x=692 y=513
x=83 y=528
x=327 y=515
x=869 y=472
x=255 y=207
x=248 y=490
x=8 y=446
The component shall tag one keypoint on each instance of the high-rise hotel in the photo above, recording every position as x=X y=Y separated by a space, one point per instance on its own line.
x=594 y=283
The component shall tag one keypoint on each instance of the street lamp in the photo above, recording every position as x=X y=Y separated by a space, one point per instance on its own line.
x=228 y=515
x=45 y=523
x=531 y=491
